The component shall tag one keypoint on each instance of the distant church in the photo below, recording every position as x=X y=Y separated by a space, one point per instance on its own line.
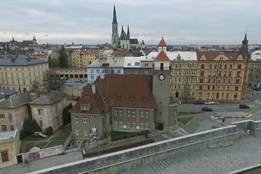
x=124 y=41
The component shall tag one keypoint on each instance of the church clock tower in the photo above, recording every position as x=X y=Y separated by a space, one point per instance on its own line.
x=161 y=90
x=114 y=36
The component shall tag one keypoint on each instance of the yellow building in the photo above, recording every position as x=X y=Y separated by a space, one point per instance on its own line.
x=184 y=74
x=13 y=111
x=18 y=73
x=83 y=58
x=47 y=109
x=221 y=75
x=69 y=72
x=9 y=148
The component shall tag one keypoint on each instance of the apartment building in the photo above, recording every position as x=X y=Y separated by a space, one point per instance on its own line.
x=19 y=72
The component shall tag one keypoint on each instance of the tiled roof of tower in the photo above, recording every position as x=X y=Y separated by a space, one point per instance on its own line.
x=134 y=91
x=94 y=99
x=162 y=43
x=162 y=57
x=210 y=55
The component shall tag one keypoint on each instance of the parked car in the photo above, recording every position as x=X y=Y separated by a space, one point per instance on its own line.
x=209 y=103
x=206 y=109
x=199 y=102
x=243 y=106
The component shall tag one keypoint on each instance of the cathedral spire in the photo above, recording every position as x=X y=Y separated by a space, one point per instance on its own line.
x=244 y=47
x=128 y=32
x=114 y=16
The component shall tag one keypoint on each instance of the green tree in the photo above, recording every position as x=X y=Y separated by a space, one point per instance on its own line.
x=30 y=126
x=67 y=114
x=53 y=62
x=63 y=59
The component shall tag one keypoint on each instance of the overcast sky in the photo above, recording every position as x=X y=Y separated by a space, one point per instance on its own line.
x=89 y=21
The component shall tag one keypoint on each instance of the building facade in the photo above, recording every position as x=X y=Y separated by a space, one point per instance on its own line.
x=221 y=75
x=83 y=58
x=254 y=80
x=47 y=109
x=9 y=148
x=18 y=73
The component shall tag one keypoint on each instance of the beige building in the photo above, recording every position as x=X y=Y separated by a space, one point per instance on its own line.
x=13 y=111
x=47 y=109
x=9 y=148
x=221 y=75
x=18 y=73
x=83 y=58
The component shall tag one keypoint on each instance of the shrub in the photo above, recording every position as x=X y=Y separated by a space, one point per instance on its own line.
x=30 y=126
x=48 y=131
x=22 y=135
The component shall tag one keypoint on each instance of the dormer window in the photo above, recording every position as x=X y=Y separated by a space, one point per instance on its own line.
x=85 y=107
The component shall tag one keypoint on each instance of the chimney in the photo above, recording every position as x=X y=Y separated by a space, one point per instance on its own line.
x=93 y=89
x=102 y=76
x=38 y=94
x=6 y=96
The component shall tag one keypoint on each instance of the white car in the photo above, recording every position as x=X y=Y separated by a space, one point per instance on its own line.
x=209 y=103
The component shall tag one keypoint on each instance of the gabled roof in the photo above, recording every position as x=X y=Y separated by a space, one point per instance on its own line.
x=162 y=57
x=162 y=43
x=94 y=99
x=210 y=55
x=47 y=98
x=128 y=90
x=131 y=91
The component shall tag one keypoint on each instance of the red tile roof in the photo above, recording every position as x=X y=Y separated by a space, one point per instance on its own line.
x=95 y=100
x=162 y=57
x=162 y=43
x=132 y=91
x=210 y=55
x=90 y=51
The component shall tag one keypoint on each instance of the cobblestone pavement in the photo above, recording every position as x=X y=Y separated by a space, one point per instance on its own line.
x=41 y=164
x=244 y=153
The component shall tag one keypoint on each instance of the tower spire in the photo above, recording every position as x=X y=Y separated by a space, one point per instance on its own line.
x=128 y=32
x=114 y=21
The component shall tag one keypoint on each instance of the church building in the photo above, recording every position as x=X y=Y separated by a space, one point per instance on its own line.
x=123 y=41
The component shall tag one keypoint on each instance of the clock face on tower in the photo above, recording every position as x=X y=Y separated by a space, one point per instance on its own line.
x=161 y=77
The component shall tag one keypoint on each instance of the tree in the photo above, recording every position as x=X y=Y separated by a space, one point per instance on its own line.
x=30 y=126
x=67 y=114
x=51 y=81
x=53 y=62
x=49 y=131
x=63 y=59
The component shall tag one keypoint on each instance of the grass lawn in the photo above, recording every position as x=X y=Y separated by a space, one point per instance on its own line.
x=39 y=144
x=187 y=113
x=184 y=120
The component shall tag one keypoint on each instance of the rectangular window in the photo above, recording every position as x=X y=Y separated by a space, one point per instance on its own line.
x=77 y=132
x=141 y=113
x=120 y=124
x=146 y=114
x=4 y=127
x=2 y=116
x=40 y=112
x=4 y=155
x=76 y=119
x=116 y=124
x=141 y=125
x=11 y=127
x=133 y=125
x=84 y=119
x=85 y=132
x=146 y=125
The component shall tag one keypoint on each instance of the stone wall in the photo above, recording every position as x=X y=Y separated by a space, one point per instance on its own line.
x=118 y=161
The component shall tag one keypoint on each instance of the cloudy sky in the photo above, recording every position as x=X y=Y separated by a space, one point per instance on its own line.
x=89 y=21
